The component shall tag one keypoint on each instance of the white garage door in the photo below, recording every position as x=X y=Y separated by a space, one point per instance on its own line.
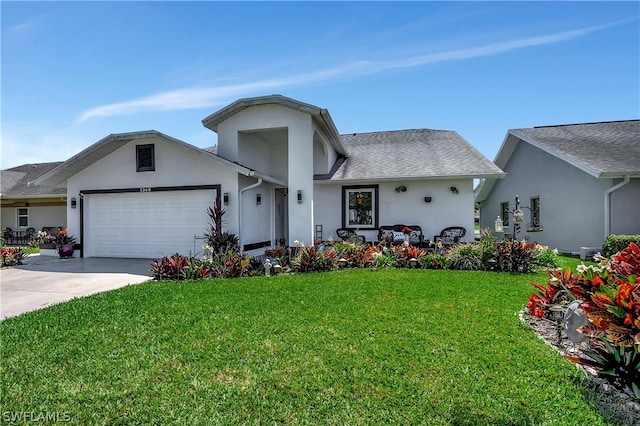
x=146 y=224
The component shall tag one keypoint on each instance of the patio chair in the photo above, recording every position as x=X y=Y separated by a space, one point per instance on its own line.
x=8 y=235
x=450 y=235
x=29 y=235
x=350 y=235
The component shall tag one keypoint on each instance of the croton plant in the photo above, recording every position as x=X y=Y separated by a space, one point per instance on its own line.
x=610 y=295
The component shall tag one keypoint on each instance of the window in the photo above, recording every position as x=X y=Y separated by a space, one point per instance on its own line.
x=504 y=207
x=360 y=207
x=22 y=217
x=145 y=158
x=535 y=212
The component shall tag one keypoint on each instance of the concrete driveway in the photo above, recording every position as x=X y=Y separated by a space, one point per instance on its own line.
x=46 y=280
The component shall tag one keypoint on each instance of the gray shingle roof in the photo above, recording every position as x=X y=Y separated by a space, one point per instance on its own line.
x=18 y=181
x=418 y=153
x=605 y=149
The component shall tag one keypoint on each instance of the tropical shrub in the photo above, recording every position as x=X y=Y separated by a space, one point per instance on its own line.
x=619 y=365
x=169 y=267
x=312 y=259
x=355 y=253
x=489 y=250
x=11 y=256
x=615 y=243
x=236 y=265
x=435 y=260
x=384 y=258
x=218 y=241
x=467 y=256
x=515 y=256
x=610 y=297
x=404 y=253
x=544 y=257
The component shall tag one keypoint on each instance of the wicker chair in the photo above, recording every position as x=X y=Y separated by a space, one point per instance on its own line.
x=450 y=235
x=8 y=235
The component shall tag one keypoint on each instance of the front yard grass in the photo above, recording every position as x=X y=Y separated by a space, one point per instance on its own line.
x=348 y=347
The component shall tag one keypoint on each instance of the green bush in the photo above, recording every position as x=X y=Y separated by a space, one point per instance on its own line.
x=435 y=261
x=466 y=257
x=545 y=257
x=615 y=243
x=385 y=259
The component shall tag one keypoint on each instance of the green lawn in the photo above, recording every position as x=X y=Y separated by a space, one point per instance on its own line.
x=348 y=347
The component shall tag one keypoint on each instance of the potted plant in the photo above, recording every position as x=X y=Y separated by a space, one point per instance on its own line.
x=64 y=243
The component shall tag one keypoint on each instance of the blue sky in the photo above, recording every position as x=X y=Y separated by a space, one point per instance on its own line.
x=75 y=72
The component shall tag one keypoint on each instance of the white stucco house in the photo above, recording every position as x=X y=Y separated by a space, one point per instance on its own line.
x=25 y=205
x=282 y=170
x=578 y=183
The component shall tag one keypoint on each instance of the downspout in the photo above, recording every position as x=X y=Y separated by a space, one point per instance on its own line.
x=607 y=204
x=258 y=183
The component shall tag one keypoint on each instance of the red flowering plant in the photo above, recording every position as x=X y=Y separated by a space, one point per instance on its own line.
x=63 y=238
x=406 y=230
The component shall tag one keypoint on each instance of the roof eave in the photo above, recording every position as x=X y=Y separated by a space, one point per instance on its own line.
x=619 y=175
x=58 y=176
x=414 y=178
x=212 y=121
x=31 y=197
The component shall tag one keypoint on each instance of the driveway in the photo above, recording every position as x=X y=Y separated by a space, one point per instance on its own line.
x=46 y=280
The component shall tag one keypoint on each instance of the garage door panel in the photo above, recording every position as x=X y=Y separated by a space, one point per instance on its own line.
x=146 y=225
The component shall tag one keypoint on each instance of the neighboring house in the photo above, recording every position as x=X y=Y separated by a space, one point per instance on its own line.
x=282 y=171
x=578 y=183
x=27 y=205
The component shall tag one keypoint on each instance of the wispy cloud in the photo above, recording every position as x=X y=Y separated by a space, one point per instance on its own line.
x=28 y=27
x=200 y=97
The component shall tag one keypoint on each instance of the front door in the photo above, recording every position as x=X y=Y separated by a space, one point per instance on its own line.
x=281 y=216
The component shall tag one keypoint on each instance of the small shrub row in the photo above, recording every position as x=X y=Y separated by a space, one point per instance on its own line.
x=610 y=299
x=490 y=255
x=229 y=265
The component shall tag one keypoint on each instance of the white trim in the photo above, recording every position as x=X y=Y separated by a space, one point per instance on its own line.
x=607 y=204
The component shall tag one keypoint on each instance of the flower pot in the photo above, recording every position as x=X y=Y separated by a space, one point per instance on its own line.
x=65 y=251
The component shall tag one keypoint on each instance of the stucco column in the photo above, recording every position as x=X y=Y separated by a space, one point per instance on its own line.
x=300 y=166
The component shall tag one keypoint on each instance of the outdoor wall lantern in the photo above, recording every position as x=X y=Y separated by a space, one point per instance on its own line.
x=454 y=189
x=259 y=199
x=427 y=199
x=74 y=202
x=498 y=225
x=299 y=196
x=225 y=198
